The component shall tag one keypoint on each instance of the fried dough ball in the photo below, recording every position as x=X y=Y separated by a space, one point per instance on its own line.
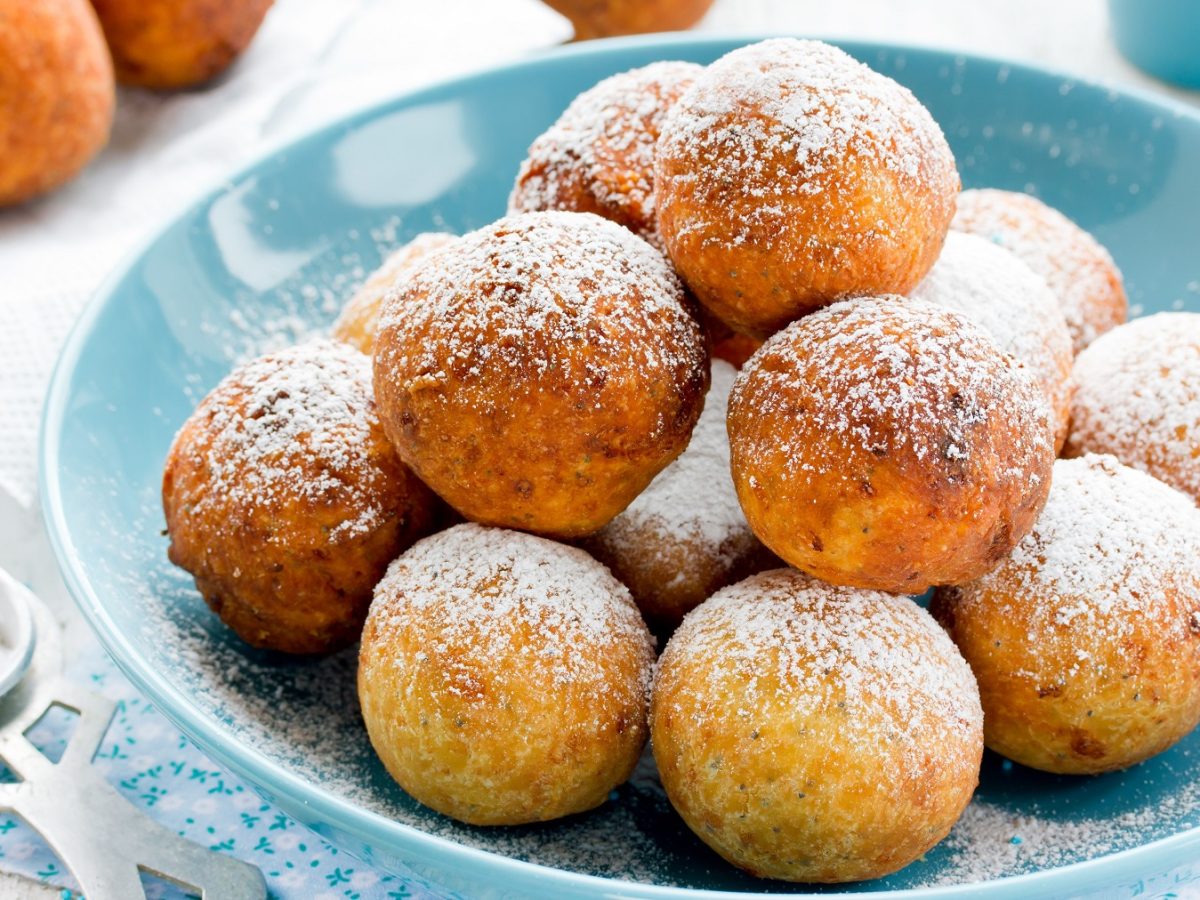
x=599 y=156
x=685 y=536
x=790 y=176
x=1078 y=269
x=538 y=373
x=359 y=319
x=1002 y=295
x=607 y=18
x=815 y=733
x=56 y=94
x=503 y=677
x=887 y=443
x=1139 y=398
x=286 y=502
x=1086 y=641
x=177 y=43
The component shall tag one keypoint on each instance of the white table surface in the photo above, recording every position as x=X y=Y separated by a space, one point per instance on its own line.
x=315 y=60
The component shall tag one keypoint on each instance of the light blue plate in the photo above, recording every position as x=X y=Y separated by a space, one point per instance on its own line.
x=273 y=251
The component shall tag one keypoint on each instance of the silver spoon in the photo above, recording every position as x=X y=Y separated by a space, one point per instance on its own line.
x=100 y=836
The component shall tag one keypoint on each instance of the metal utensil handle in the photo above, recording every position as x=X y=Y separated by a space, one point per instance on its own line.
x=103 y=839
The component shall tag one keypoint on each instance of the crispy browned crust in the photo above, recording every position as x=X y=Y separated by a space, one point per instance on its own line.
x=561 y=439
x=274 y=568
x=870 y=511
x=167 y=44
x=56 y=94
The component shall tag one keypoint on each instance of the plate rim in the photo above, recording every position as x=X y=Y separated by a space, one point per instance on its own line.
x=364 y=825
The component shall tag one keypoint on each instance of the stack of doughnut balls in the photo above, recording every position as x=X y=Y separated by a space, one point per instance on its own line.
x=917 y=359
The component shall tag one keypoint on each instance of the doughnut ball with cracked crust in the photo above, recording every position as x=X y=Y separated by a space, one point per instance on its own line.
x=790 y=176
x=286 y=502
x=538 y=373
x=1078 y=269
x=815 y=733
x=503 y=677
x=887 y=443
x=168 y=44
x=1138 y=398
x=56 y=94
x=998 y=292
x=685 y=536
x=358 y=321
x=1086 y=640
x=599 y=156
x=607 y=18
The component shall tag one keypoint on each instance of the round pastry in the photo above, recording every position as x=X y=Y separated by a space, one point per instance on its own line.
x=538 y=373
x=888 y=443
x=285 y=500
x=1139 y=398
x=606 y=18
x=998 y=292
x=56 y=94
x=789 y=175
x=599 y=156
x=359 y=319
x=685 y=536
x=1079 y=271
x=503 y=677
x=815 y=733
x=1086 y=640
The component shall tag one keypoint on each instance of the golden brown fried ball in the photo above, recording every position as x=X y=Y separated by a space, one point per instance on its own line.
x=539 y=372
x=685 y=536
x=887 y=443
x=815 y=733
x=1002 y=295
x=790 y=176
x=56 y=94
x=503 y=677
x=726 y=343
x=599 y=156
x=1139 y=398
x=1079 y=271
x=286 y=502
x=1086 y=641
x=607 y=18
x=177 y=43
x=359 y=319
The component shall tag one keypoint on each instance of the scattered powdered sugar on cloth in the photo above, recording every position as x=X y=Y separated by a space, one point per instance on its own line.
x=1138 y=397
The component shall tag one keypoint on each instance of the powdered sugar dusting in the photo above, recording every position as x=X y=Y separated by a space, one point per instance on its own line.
x=481 y=588
x=523 y=295
x=1077 y=268
x=599 y=155
x=998 y=292
x=1139 y=398
x=1108 y=539
x=692 y=502
x=817 y=647
x=293 y=424
x=889 y=375
x=774 y=119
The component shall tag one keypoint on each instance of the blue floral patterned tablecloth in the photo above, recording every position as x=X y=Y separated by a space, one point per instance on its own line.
x=159 y=770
